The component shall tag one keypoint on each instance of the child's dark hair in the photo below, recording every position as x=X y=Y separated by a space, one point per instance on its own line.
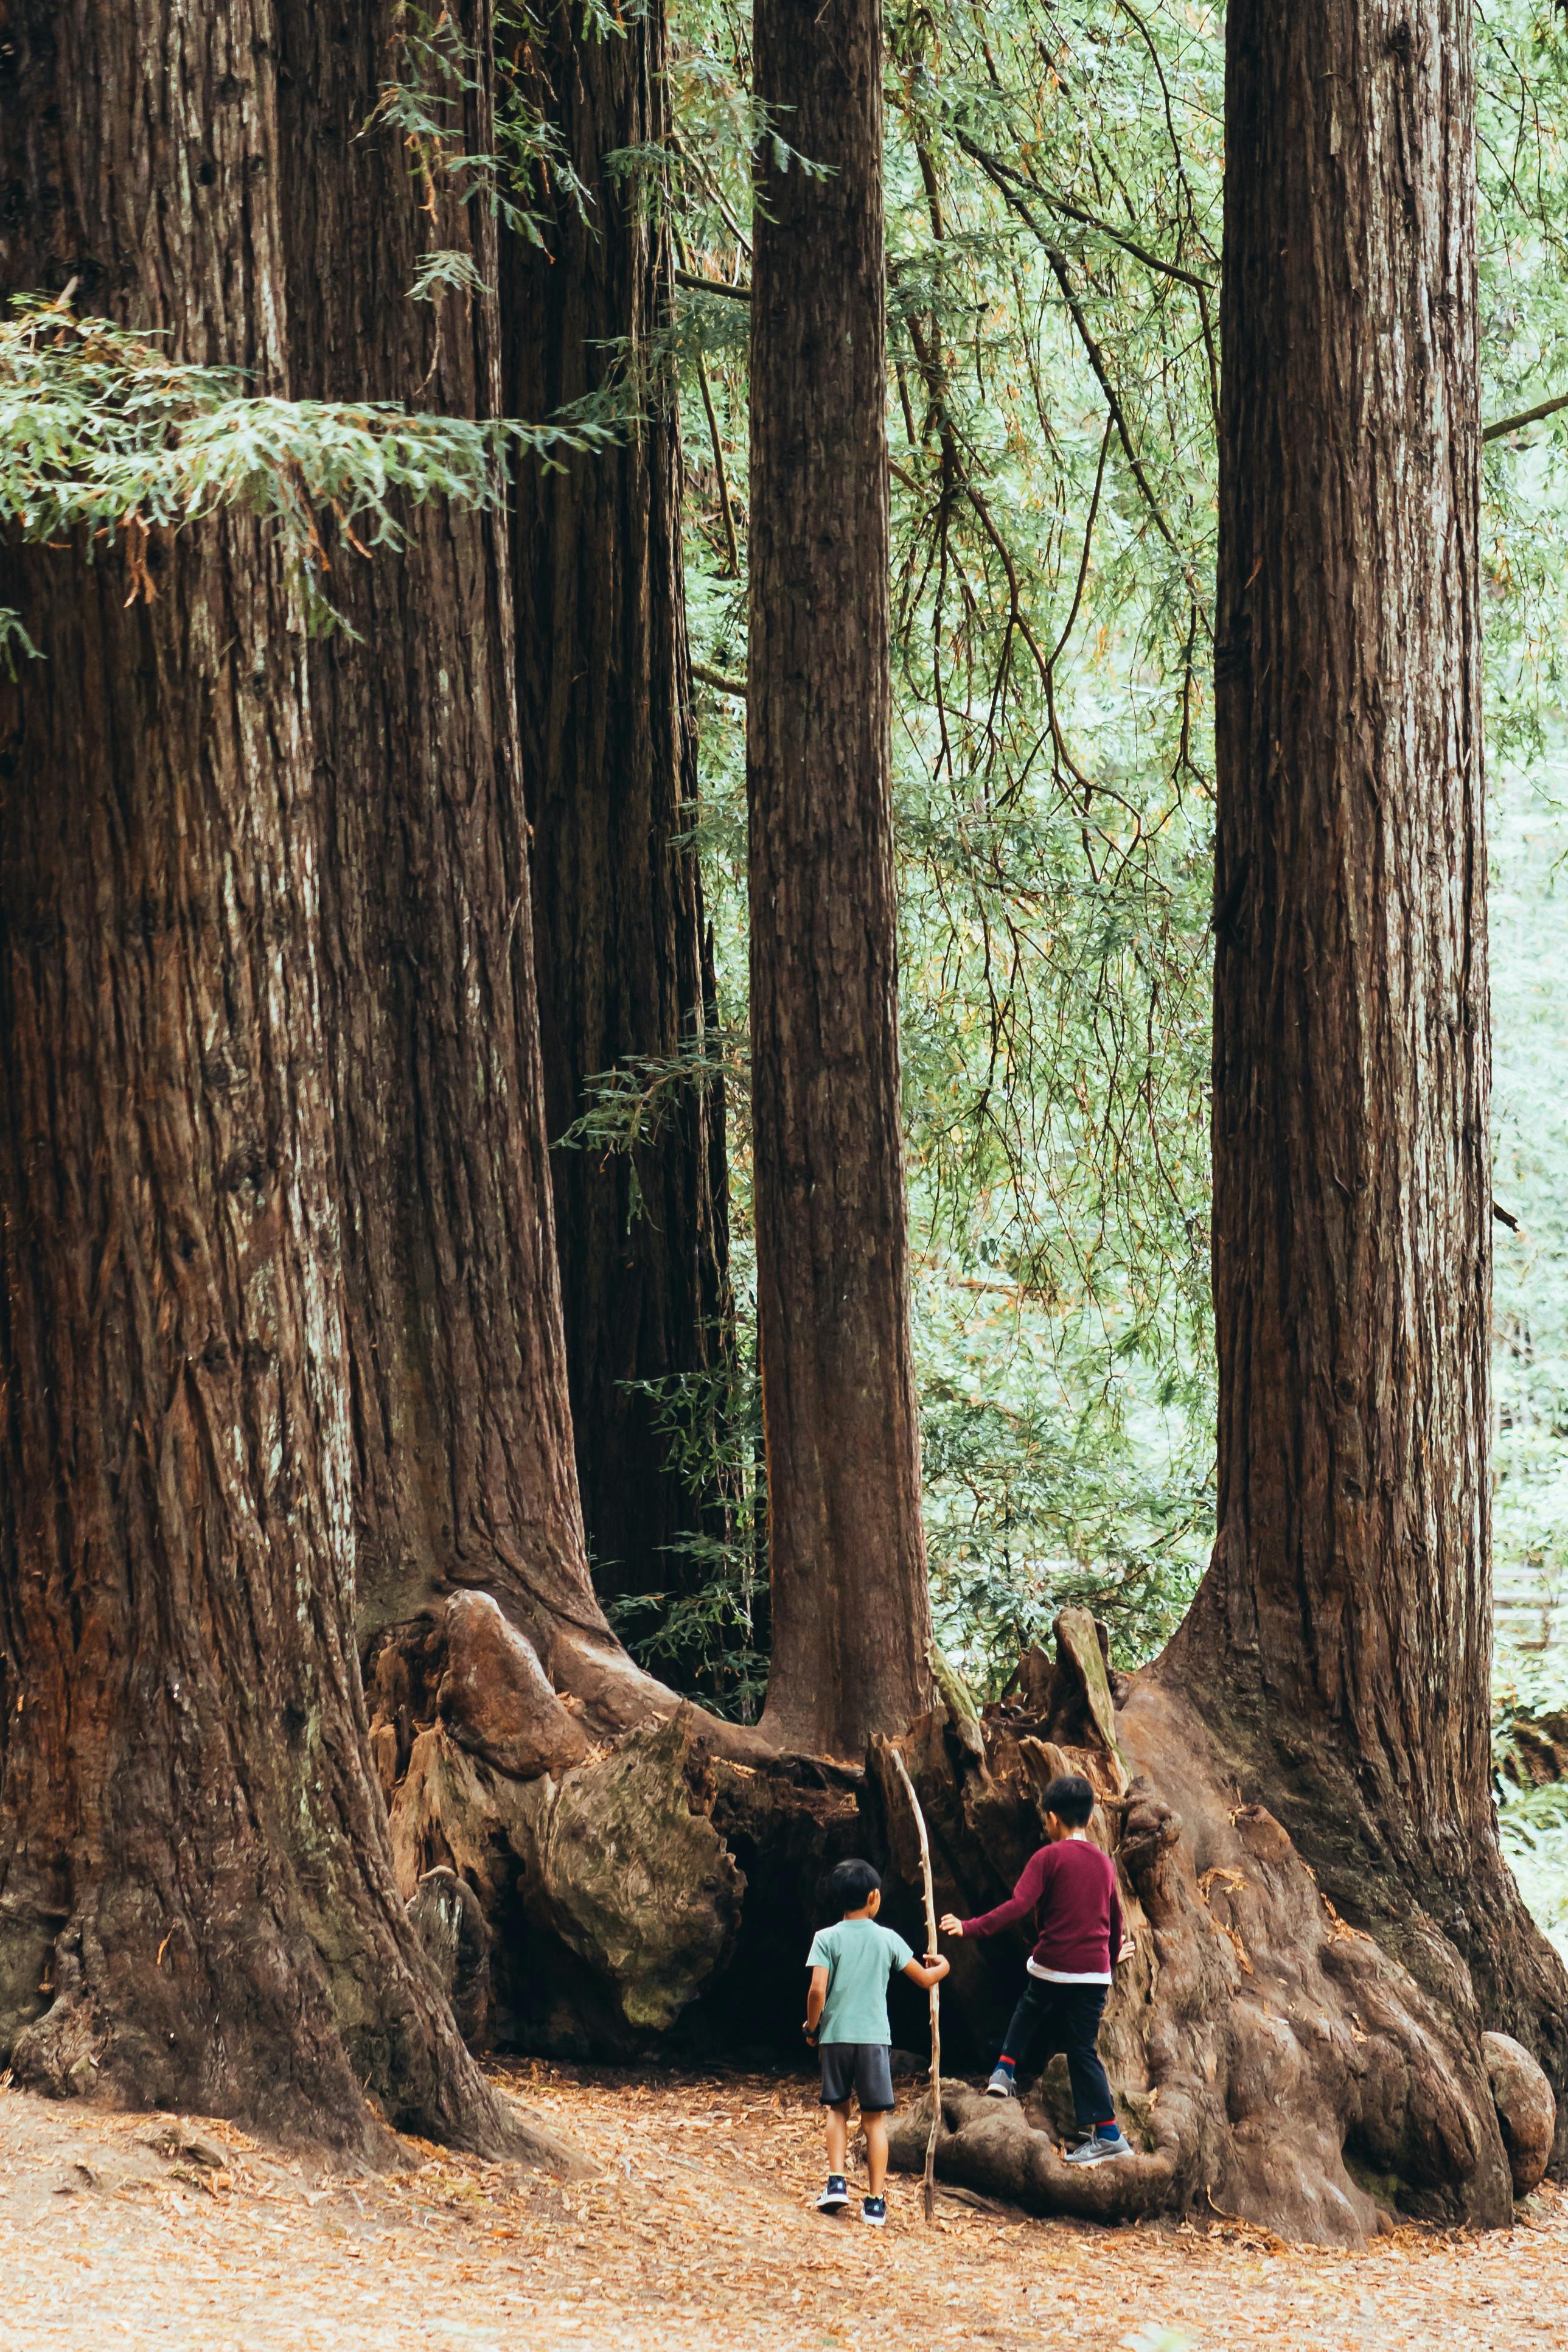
x=852 y=1884
x=1070 y=1798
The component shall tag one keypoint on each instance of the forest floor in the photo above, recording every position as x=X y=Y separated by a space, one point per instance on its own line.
x=119 y=2233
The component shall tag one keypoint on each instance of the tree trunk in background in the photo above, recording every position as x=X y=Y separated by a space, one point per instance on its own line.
x=195 y=1858
x=851 y=1611
x=609 y=767
x=462 y=1447
x=1342 y=1635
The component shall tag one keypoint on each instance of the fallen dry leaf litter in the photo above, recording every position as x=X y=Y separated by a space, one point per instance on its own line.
x=119 y=2233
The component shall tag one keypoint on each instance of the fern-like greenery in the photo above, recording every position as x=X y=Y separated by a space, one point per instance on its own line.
x=105 y=439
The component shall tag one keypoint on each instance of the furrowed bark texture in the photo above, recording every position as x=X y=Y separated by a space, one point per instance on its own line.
x=463 y=1470
x=609 y=767
x=198 y=1903
x=1349 y=1595
x=851 y=1614
x=463 y=1460
x=463 y=1473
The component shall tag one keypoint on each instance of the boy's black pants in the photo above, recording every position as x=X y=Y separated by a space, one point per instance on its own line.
x=1069 y=2016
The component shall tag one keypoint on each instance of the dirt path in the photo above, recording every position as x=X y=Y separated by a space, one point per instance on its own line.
x=117 y=2235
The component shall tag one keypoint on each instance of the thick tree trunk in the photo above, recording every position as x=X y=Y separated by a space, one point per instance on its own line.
x=199 y=1904
x=463 y=1464
x=464 y=1472
x=609 y=768
x=1319 y=2049
x=1350 y=1591
x=1325 y=2052
x=851 y=1612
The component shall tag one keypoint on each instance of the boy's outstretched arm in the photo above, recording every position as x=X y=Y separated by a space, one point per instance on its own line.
x=929 y=1971
x=816 y=1996
x=1020 y=1905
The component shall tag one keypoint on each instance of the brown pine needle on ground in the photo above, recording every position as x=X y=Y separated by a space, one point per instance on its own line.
x=119 y=2233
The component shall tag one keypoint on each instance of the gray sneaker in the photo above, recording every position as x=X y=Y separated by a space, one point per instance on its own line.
x=1001 y=2085
x=1095 y=2150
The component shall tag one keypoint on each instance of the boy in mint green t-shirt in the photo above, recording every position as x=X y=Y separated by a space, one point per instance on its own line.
x=846 y=2016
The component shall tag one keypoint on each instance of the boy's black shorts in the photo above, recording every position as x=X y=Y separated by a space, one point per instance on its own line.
x=860 y=2070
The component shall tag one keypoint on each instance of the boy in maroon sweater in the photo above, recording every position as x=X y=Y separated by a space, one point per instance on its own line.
x=1069 y=1891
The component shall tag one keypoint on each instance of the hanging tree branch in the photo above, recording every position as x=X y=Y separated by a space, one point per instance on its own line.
x=1535 y=415
x=1011 y=184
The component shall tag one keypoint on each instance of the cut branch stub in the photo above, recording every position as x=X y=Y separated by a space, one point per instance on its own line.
x=1526 y=2109
x=495 y=1699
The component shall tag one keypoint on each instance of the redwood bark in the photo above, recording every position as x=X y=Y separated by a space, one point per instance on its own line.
x=851 y=1609
x=463 y=1470
x=609 y=769
x=1342 y=1633
x=198 y=1890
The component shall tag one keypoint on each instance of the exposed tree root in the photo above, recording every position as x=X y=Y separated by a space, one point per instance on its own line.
x=609 y=1833
x=599 y=1852
x=1270 y=2060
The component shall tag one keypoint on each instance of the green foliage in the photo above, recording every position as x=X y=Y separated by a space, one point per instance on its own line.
x=1532 y=1682
x=434 y=72
x=1052 y=551
x=627 y=1106
x=707 y=1632
x=105 y=439
x=14 y=640
x=446 y=272
x=1530 y=995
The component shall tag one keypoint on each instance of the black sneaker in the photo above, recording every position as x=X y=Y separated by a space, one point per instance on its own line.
x=875 y=2210
x=835 y=2195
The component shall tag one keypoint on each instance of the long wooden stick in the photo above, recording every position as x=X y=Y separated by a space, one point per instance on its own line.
x=930 y=2184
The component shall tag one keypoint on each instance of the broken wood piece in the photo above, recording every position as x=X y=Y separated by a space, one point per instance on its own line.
x=1079 y=1656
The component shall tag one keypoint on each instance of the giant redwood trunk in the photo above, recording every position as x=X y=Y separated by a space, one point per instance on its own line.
x=851 y=1612
x=609 y=763
x=532 y=1776
x=1328 y=2051
x=199 y=1904
x=1349 y=1593
x=464 y=1472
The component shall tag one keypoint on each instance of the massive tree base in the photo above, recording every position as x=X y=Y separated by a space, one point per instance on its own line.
x=647 y=1893
x=1269 y=2061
